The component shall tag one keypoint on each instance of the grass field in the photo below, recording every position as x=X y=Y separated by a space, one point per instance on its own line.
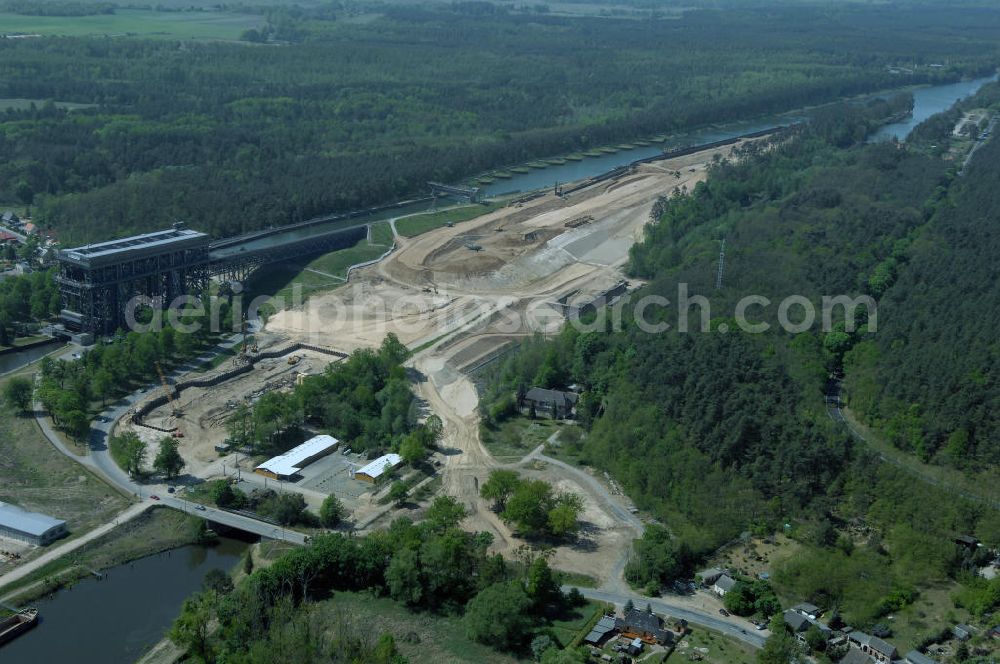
x=159 y=529
x=421 y=223
x=516 y=437
x=428 y=637
x=35 y=476
x=713 y=648
x=204 y=25
x=322 y=273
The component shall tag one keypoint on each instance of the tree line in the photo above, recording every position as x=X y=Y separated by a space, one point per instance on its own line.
x=428 y=566
x=368 y=112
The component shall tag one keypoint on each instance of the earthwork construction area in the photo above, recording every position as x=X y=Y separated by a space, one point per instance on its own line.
x=459 y=295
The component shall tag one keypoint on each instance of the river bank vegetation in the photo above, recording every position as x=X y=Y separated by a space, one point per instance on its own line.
x=356 y=113
x=433 y=567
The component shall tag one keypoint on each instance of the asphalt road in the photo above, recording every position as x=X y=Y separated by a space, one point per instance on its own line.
x=748 y=635
x=100 y=461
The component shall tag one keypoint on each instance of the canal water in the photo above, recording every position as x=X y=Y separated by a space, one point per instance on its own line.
x=14 y=361
x=929 y=101
x=591 y=166
x=926 y=102
x=118 y=618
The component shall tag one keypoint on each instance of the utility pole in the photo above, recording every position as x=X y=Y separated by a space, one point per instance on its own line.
x=722 y=264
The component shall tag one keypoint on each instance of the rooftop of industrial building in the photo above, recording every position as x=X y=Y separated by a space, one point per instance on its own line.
x=32 y=523
x=380 y=465
x=291 y=461
x=146 y=241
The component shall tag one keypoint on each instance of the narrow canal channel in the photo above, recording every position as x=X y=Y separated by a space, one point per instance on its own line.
x=116 y=619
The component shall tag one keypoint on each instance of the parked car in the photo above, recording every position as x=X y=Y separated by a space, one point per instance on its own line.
x=154 y=497
x=170 y=489
x=724 y=612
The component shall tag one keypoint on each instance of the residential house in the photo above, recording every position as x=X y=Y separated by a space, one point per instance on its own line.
x=800 y=623
x=710 y=576
x=723 y=585
x=551 y=403
x=873 y=646
x=855 y=656
x=962 y=632
x=995 y=633
x=968 y=541
x=917 y=657
x=643 y=625
x=601 y=631
x=808 y=610
x=30 y=228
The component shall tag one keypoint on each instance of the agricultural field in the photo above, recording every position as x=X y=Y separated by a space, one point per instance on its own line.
x=201 y=25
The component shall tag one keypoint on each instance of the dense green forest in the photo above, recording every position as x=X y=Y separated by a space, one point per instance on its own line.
x=718 y=433
x=928 y=381
x=232 y=138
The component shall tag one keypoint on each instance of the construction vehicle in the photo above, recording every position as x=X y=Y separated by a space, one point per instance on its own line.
x=294 y=359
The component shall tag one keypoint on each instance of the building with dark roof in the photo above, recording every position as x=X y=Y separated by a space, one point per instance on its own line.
x=873 y=646
x=917 y=657
x=723 y=585
x=807 y=609
x=554 y=403
x=643 y=625
x=29 y=527
x=601 y=631
x=855 y=656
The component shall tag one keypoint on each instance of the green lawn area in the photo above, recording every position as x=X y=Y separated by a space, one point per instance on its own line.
x=209 y=25
x=421 y=637
x=428 y=637
x=322 y=273
x=35 y=476
x=516 y=437
x=714 y=648
x=932 y=611
x=421 y=223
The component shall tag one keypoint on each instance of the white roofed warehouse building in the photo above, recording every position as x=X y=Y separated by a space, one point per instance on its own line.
x=378 y=468
x=285 y=466
x=29 y=527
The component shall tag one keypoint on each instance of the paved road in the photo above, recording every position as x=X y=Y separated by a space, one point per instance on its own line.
x=100 y=461
x=60 y=550
x=717 y=622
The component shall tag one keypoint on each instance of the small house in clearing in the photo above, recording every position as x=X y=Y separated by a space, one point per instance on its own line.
x=378 y=468
x=552 y=403
x=710 y=576
x=873 y=646
x=643 y=625
x=723 y=585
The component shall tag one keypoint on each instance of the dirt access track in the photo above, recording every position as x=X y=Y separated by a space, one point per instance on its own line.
x=457 y=295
